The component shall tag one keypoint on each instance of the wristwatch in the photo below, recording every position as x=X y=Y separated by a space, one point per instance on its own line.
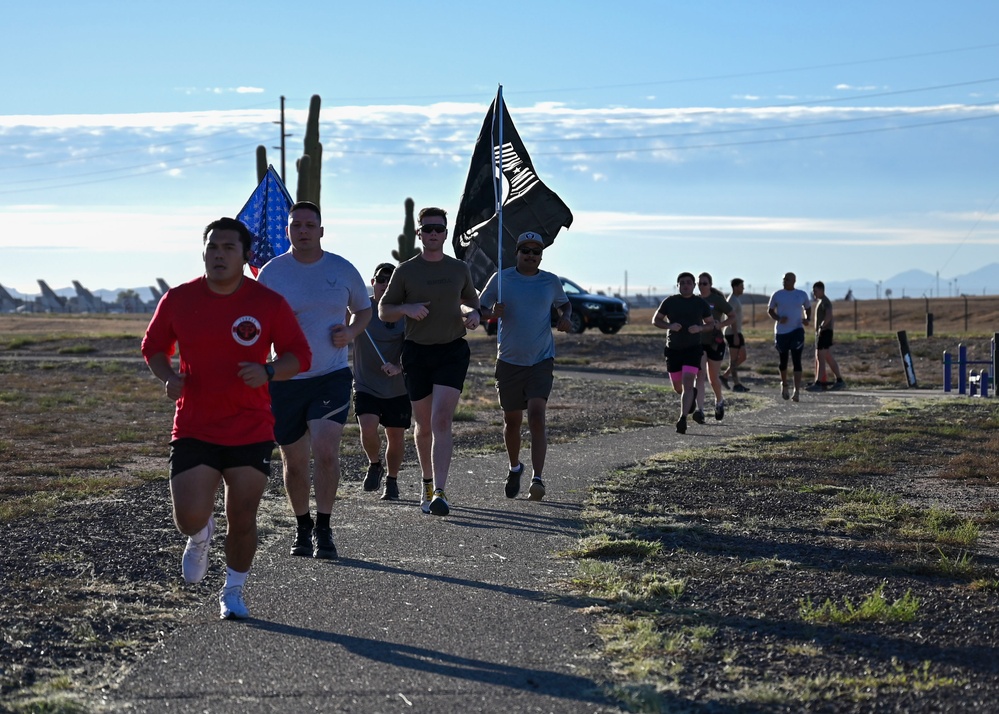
x=269 y=368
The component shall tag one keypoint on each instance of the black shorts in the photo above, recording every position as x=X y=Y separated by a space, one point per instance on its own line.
x=824 y=339
x=296 y=402
x=735 y=341
x=790 y=341
x=392 y=412
x=426 y=365
x=677 y=359
x=516 y=384
x=716 y=350
x=187 y=453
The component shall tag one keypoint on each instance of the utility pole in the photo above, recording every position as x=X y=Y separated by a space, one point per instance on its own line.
x=283 y=136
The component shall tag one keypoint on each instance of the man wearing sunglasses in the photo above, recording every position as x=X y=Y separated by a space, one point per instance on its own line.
x=525 y=353
x=436 y=295
x=380 y=393
x=331 y=302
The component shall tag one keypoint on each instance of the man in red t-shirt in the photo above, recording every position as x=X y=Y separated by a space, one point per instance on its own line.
x=223 y=429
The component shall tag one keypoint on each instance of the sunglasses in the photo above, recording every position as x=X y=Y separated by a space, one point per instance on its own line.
x=382 y=279
x=529 y=251
x=433 y=228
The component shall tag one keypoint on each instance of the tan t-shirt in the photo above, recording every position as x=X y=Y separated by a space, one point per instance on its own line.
x=443 y=284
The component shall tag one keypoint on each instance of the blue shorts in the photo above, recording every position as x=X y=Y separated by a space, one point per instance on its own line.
x=296 y=402
x=187 y=453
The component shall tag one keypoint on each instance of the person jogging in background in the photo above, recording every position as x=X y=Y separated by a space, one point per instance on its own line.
x=789 y=309
x=223 y=431
x=380 y=393
x=684 y=316
x=331 y=303
x=435 y=293
x=735 y=339
x=713 y=342
x=824 y=342
x=525 y=361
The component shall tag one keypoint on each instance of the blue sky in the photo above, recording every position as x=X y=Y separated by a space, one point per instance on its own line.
x=846 y=141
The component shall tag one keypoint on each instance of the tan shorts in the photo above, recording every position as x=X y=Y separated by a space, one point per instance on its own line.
x=515 y=384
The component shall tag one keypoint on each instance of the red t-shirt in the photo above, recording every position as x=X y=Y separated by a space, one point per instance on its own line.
x=215 y=333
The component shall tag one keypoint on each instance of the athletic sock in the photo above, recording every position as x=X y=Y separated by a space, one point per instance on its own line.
x=322 y=520
x=305 y=521
x=234 y=578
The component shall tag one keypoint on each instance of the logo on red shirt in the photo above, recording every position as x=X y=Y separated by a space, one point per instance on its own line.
x=246 y=330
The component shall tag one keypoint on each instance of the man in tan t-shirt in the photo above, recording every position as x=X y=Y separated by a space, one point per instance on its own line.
x=432 y=291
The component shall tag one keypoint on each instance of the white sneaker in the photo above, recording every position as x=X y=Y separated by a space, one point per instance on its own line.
x=231 y=604
x=195 y=561
x=428 y=496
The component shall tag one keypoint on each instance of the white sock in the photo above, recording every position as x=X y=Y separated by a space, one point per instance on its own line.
x=201 y=536
x=232 y=578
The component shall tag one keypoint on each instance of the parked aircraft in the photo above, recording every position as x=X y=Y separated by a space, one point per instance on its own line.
x=48 y=301
x=8 y=303
x=86 y=301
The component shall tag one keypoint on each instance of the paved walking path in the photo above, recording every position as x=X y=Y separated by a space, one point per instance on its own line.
x=456 y=614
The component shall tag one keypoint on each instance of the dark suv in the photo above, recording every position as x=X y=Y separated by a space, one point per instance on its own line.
x=609 y=314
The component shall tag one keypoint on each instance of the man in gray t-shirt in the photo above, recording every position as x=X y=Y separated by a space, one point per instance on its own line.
x=525 y=353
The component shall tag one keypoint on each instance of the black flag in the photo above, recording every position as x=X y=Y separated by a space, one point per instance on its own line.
x=527 y=204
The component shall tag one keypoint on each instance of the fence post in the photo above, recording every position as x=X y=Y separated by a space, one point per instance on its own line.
x=903 y=348
x=962 y=369
x=947 y=362
x=855 y=323
x=929 y=324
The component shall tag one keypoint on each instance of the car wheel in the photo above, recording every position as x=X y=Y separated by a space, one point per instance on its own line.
x=610 y=329
x=577 y=323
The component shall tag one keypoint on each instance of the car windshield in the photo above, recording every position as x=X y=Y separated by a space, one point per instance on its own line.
x=571 y=288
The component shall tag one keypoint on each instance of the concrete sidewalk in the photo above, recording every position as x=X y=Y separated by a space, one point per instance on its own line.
x=457 y=614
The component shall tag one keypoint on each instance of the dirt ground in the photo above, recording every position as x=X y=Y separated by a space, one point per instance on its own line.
x=89 y=583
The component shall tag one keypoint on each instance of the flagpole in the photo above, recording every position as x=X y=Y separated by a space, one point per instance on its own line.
x=498 y=190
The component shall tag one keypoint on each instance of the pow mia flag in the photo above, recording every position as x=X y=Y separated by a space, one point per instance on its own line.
x=526 y=204
x=266 y=215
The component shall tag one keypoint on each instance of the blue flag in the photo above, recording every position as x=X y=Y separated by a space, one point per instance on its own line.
x=266 y=215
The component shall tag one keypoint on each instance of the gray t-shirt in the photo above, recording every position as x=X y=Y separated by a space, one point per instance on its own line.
x=525 y=333
x=320 y=294
x=368 y=375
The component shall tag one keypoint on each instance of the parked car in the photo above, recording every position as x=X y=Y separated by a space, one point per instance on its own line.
x=608 y=314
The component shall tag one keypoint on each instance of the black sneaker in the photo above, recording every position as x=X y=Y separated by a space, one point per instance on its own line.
x=322 y=544
x=391 y=492
x=838 y=385
x=537 y=490
x=719 y=411
x=513 y=482
x=681 y=425
x=303 y=542
x=373 y=478
x=739 y=387
x=816 y=387
x=699 y=416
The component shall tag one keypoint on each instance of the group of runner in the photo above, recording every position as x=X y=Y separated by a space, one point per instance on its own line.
x=266 y=361
x=700 y=325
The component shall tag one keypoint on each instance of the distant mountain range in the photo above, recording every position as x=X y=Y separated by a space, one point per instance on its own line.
x=910 y=284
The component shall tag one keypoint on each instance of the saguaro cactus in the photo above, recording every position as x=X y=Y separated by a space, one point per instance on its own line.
x=310 y=166
x=261 y=163
x=407 y=239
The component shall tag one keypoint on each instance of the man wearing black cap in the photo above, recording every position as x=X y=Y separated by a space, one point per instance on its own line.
x=526 y=353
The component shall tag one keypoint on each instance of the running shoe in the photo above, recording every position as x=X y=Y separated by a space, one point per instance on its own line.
x=815 y=387
x=719 y=411
x=795 y=397
x=195 y=561
x=537 y=490
x=428 y=496
x=439 y=506
x=724 y=380
x=373 y=478
x=303 y=542
x=840 y=384
x=699 y=416
x=681 y=425
x=391 y=492
x=231 y=604
x=513 y=481
x=739 y=387
x=785 y=391
x=322 y=544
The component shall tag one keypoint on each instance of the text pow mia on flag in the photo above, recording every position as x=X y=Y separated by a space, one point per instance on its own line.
x=526 y=203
